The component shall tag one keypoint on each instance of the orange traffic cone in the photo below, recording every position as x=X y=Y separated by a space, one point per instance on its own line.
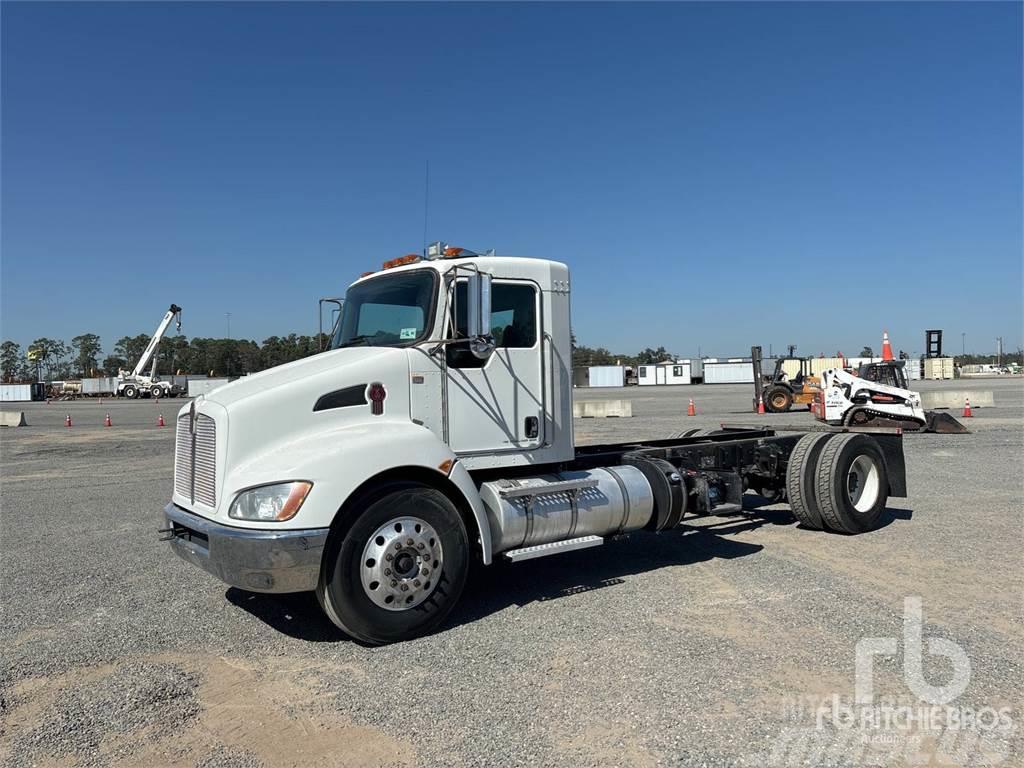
x=967 y=408
x=106 y=421
x=760 y=405
x=691 y=410
x=160 y=420
x=67 y=420
x=886 y=347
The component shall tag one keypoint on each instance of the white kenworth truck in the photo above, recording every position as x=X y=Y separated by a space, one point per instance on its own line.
x=437 y=429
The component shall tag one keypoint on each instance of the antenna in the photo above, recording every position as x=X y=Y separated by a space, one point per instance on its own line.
x=426 y=205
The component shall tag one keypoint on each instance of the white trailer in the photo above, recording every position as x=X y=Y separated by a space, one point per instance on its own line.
x=16 y=393
x=607 y=376
x=438 y=430
x=649 y=375
x=677 y=372
x=731 y=371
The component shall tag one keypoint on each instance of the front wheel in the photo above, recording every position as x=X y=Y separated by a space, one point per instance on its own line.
x=131 y=393
x=398 y=569
x=778 y=400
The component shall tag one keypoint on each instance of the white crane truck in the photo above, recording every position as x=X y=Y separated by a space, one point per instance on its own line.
x=138 y=384
x=437 y=429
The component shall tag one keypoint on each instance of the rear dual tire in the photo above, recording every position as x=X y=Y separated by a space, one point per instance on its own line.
x=838 y=482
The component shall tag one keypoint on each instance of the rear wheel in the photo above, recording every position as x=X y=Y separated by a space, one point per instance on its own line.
x=778 y=400
x=852 y=484
x=801 y=480
x=156 y=392
x=131 y=392
x=398 y=569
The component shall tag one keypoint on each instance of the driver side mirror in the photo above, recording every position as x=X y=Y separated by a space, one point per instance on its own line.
x=478 y=314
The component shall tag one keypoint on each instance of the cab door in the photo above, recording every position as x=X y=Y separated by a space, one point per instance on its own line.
x=496 y=404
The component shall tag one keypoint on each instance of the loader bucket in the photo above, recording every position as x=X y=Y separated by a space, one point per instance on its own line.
x=943 y=424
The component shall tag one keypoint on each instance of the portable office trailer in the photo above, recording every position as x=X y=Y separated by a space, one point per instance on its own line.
x=607 y=376
x=731 y=371
x=677 y=372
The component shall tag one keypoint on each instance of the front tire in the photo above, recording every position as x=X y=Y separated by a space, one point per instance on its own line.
x=778 y=400
x=131 y=393
x=425 y=577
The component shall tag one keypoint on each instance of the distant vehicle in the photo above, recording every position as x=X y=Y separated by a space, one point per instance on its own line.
x=137 y=384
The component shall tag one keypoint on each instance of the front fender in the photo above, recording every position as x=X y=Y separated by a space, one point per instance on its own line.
x=339 y=460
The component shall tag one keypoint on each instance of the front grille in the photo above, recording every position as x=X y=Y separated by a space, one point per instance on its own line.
x=195 y=460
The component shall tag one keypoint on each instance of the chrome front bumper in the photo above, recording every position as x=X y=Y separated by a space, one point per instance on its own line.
x=256 y=560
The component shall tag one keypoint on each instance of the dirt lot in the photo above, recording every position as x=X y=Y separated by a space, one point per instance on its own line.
x=720 y=643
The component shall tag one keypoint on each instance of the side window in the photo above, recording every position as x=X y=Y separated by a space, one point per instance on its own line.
x=513 y=320
x=677 y=370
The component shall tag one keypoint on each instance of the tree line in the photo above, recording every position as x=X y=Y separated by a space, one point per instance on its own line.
x=84 y=357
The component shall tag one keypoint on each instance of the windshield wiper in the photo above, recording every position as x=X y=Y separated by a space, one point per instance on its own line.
x=363 y=339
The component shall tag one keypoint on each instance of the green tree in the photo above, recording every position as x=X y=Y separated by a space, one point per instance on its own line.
x=52 y=354
x=652 y=356
x=10 y=360
x=112 y=364
x=131 y=348
x=867 y=352
x=87 y=352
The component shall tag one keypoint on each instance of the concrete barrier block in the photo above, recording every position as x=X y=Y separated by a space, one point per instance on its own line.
x=954 y=398
x=602 y=409
x=13 y=419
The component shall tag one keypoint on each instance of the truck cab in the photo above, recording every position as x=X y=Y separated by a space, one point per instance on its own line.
x=435 y=430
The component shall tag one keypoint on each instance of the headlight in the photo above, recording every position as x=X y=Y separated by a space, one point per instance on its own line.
x=277 y=502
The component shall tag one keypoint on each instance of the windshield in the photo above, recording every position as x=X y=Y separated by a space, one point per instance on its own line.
x=388 y=311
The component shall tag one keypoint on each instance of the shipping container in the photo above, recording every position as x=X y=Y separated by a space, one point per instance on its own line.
x=99 y=386
x=729 y=372
x=204 y=386
x=607 y=376
x=938 y=368
x=15 y=393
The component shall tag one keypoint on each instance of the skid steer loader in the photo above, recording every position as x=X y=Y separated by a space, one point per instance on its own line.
x=878 y=396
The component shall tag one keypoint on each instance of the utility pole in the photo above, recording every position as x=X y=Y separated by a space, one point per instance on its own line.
x=228 y=316
x=963 y=344
x=999 y=350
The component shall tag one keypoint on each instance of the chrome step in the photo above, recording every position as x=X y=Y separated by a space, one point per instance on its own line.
x=554 y=548
x=548 y=489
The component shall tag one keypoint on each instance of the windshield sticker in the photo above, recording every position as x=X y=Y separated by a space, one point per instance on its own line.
x=408 y=333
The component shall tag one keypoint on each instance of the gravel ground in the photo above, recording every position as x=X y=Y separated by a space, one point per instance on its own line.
x=710 y=645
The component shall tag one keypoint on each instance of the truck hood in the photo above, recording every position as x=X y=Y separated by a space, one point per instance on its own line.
x=358 y=361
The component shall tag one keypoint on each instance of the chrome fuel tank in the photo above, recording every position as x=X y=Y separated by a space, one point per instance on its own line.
x=526 y=511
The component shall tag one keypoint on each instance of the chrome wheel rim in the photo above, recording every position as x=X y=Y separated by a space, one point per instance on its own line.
x=401 y=563
x=863 y=483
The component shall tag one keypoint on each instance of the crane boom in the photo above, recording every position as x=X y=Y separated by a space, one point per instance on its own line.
x=172 y=313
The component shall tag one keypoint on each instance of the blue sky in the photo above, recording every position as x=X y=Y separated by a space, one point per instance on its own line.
x=715 y=175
